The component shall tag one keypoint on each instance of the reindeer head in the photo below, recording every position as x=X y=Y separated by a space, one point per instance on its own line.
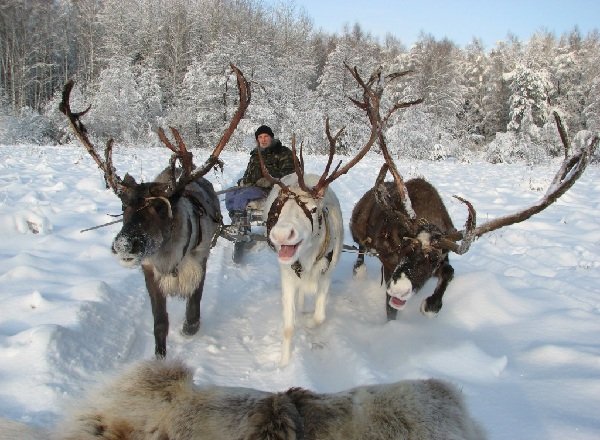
x=298 y=207
x=295 y=218
x=150 y=215
x=151 y=211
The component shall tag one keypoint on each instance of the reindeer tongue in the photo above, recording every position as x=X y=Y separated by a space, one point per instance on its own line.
x=287 y=251
x=397 y=303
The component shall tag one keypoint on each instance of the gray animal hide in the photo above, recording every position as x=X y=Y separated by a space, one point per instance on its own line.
x=157 y=400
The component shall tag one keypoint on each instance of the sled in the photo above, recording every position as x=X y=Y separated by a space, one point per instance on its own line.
x=246 y=230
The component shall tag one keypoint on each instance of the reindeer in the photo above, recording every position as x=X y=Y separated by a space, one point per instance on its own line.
x=158 y=399
x=304 y=223
x=170 y=224
x=408 y=227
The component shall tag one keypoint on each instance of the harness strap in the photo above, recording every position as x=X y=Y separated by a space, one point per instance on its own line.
x=199 y=211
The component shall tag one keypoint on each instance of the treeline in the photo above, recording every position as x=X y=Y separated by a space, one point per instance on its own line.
x=148 y=63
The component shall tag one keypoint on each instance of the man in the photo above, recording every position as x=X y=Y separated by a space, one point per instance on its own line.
x=279 y=161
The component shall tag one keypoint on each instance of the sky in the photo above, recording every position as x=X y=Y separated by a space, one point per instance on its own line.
x=517 y=333
x=458 y=20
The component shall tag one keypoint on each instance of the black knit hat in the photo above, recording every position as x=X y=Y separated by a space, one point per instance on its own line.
x=263 y=129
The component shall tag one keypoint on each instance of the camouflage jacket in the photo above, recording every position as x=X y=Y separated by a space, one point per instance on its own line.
x=278 y=158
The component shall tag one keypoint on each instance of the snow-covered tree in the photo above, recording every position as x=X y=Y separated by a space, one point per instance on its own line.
x=472 y=70
x=126 y=104
x=529 y=99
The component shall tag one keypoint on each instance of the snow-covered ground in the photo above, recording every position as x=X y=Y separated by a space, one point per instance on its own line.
x=518 y=333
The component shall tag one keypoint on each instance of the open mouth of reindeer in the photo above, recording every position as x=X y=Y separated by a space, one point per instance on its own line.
x=397 y=303
x=288 y=251
x=400 y=291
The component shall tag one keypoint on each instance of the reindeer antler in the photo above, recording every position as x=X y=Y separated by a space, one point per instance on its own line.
x=375 y=118
x=372 y=92
x=180 y=152
x=185 y=157
x=568 y=173
x=113 y=181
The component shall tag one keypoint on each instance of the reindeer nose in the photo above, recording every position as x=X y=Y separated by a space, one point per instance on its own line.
x=127 y=245
x=284 y=234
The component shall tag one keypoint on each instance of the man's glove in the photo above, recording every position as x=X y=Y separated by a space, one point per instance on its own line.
x=263 y=182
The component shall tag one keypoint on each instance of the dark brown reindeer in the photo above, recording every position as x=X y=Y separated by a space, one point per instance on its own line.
x=170 y=224
x=408 y=227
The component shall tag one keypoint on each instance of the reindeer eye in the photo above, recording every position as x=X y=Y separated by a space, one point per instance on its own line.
x=313 y=210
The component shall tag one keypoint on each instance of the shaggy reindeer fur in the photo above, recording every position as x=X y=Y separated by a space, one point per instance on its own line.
x=11 y=430
x=406 y=264
x=158 y=401
x=308 y=248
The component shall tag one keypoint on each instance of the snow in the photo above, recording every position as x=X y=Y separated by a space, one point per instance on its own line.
x=518 y=332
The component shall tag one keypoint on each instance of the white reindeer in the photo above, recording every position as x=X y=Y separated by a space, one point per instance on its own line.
x=304 y=220
x=307 y=233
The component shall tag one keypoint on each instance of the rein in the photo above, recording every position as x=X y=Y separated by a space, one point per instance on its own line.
x=144 y=206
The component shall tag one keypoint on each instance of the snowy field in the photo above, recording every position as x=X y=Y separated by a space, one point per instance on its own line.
x=519 y=332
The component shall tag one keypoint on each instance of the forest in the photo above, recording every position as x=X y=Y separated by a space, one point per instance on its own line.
x=144 y=64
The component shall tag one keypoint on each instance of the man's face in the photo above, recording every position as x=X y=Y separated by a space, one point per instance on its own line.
x=264 y=140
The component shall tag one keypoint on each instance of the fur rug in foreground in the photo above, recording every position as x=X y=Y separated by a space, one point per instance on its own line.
x=157 y=400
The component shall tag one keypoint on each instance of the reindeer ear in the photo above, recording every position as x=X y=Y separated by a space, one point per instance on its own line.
x=128 y=180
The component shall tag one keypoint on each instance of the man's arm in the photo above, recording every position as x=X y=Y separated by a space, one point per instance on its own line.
x=286 y=162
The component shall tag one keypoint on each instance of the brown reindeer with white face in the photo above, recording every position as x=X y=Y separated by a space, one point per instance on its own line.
x=170 y=224
x=408 y=227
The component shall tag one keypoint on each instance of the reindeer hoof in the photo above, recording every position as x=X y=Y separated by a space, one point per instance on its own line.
x=430 y=310
x=312 y=322
x=359 y=272
x=160 y=353
x=190 y=329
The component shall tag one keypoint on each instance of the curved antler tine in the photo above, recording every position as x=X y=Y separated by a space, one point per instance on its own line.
x=298 y=165
x=571 y=169
x=185 y=156
x=332 y=142
x=111 y=178
x=244 y=100
x=382 y=172
x=468 y=235
x=165 y=140
x=400 y=105
x=181 y=154
x=562 y=133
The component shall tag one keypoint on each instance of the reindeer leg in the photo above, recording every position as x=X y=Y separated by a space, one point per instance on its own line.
x=192 y=307
x=159 y=312
x=390 y=311
x=287 y=301
x=432 y=305
x=358 y=270
x=320 y=302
